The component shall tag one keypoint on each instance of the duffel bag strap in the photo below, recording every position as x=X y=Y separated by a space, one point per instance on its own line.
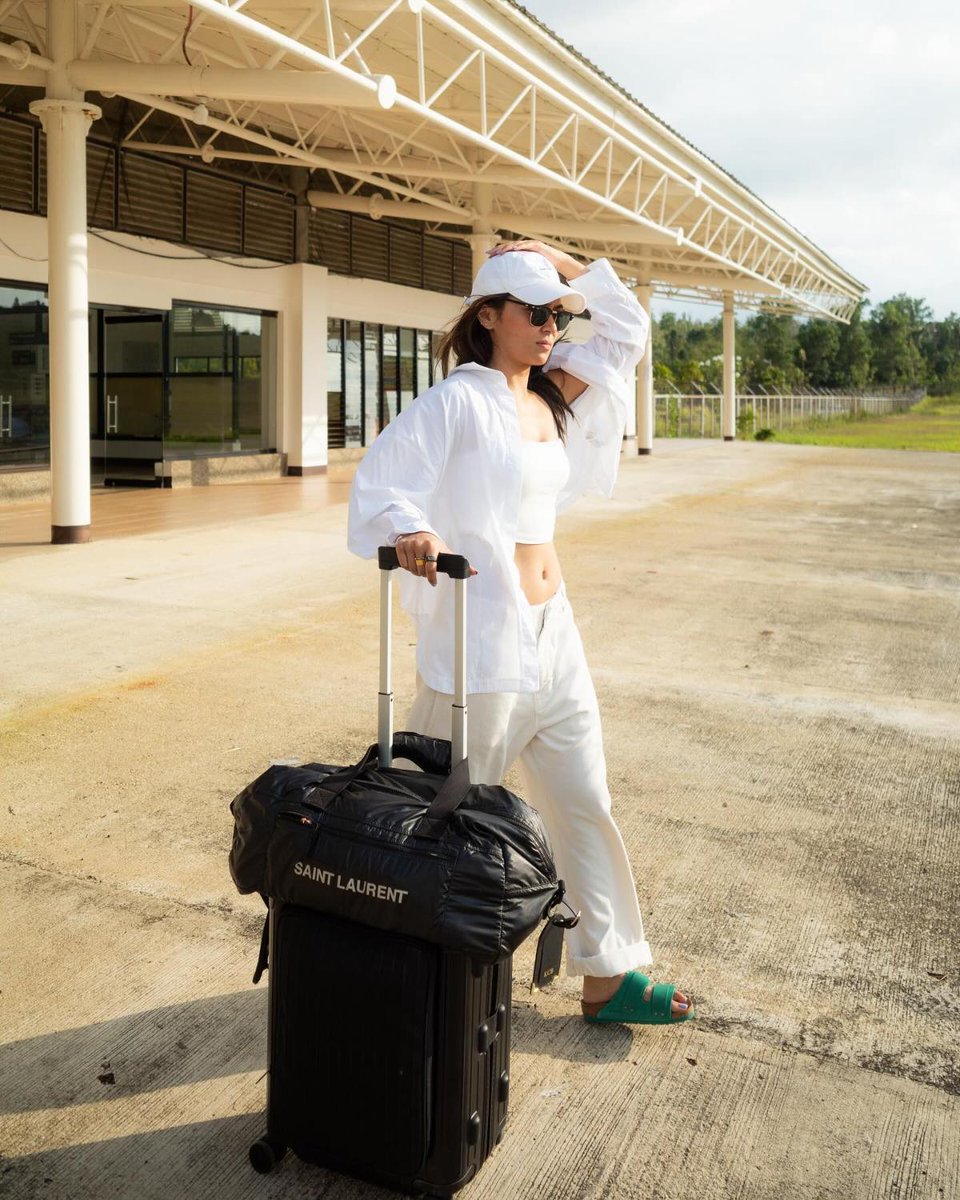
x=338 y=782
x=433 y=823
x=264 y=955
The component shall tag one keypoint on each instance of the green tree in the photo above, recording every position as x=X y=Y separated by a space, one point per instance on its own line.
x=852 y=362
x=768 y=345
x=689 y=375
x=897 y=342
x=940 y=346
x=773 y=338
x=896 y=328
x=705 y=341
x=817 y=346
x=662 y=372
x=669 y=338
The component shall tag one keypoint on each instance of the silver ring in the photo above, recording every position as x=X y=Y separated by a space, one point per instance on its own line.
x=430 y=558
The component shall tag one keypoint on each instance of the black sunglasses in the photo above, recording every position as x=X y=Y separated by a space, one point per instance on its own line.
x=540 y=314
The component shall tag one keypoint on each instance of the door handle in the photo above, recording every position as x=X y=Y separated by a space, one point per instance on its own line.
x=113 y=413
x=6 y=416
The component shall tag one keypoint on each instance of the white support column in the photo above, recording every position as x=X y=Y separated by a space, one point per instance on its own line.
x=480 y=243
x=66 y=120
x=484 y=235
x=728 y=418
x=304 y=386
x=645 y=398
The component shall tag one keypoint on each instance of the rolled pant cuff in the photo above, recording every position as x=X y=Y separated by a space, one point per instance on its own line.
x=614 y=963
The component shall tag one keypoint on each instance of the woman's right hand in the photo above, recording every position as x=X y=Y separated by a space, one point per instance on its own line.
x=413 y=549
x=565 y=263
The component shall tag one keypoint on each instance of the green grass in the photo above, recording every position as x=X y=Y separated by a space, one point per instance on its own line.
x=945 y=405
x=933 y=424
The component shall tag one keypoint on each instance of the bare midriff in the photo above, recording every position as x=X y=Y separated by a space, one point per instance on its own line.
x=539 y=570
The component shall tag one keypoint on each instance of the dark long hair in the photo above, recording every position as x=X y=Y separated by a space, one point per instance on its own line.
x=468 y=341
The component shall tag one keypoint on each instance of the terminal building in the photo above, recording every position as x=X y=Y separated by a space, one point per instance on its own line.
x=231 y=233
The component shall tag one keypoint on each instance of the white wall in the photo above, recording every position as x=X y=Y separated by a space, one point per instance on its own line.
x=390 y=304
x=122 y=274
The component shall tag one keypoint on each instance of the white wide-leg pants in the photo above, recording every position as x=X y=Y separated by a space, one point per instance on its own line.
x=555 y=734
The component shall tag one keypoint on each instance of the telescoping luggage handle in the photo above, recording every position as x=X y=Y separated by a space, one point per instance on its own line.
x=457 y=567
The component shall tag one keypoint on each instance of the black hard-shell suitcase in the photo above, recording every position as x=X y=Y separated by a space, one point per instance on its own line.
x=388 y=1057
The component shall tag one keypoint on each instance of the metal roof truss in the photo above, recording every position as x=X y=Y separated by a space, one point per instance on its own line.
x=466 y=111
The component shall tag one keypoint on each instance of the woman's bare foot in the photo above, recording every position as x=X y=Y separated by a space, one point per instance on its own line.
x=598 y=989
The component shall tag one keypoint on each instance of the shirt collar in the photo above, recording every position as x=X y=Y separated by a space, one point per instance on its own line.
x=493 y=378
x=475 y=366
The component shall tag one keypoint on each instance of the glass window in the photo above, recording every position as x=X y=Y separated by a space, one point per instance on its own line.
x=408 y=366
x=200 y=378
x=371 y=382
x=335 y=414
x=435 y=340
x=137 y=347
x=219 y=390
x=424 y=361
x=353 y=383
x=250 y=376
x=200 y=341
x=24 y=375
x=390 y=394
x=373 y=371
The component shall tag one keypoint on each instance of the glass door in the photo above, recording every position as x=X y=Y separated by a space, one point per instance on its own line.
x=127 y=399
x=24 y=404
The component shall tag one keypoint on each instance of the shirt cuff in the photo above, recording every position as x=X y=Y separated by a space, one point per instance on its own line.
x=405 y=527
x=599 y=279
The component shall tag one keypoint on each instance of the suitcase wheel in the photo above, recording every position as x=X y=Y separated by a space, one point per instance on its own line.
x=265 y=1153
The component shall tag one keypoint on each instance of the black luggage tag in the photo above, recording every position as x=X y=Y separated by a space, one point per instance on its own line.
x=546 y=963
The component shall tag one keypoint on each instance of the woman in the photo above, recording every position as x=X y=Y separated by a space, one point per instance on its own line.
x=482 y=462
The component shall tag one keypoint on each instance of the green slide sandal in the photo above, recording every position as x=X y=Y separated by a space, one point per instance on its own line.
x=627 y=1005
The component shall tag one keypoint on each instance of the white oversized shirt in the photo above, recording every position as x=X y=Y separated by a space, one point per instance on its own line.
x=450 y=464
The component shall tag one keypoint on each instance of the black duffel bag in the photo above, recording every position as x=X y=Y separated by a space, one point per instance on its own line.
x=423 y=852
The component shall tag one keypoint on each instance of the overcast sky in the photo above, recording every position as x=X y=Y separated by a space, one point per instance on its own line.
x=844 y=117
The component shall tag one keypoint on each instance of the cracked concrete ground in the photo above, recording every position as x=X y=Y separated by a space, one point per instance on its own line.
x=775 y=636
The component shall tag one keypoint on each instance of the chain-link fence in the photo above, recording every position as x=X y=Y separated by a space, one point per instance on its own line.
x=697 y=413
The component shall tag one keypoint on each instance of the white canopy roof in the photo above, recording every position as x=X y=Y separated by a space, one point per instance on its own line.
x=467 y=114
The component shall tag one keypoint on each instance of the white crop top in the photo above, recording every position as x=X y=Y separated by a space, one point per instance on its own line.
x=545 y=471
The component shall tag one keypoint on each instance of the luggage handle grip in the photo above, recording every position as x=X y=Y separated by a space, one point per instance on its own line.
x=458 y=568
x=454 y=565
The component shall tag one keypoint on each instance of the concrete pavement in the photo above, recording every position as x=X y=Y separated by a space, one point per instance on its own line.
x=775 y=635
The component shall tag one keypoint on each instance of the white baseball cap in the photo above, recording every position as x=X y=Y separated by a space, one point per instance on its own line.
x=527 y=276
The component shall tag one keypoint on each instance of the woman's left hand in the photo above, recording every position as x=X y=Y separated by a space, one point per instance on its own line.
x=566 y=264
